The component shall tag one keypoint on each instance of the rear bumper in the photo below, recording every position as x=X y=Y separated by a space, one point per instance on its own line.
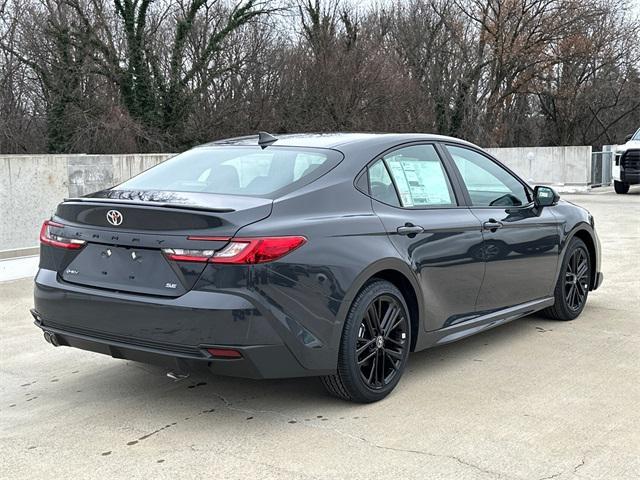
x=630 y=177
x=173 y=332
x=258 y=361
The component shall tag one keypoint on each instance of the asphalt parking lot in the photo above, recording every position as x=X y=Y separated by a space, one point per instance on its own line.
x=534 y=399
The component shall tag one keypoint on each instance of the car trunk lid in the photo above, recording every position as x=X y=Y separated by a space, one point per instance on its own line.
x=126 y=232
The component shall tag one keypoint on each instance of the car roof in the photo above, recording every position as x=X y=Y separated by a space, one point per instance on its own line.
x=334 y=140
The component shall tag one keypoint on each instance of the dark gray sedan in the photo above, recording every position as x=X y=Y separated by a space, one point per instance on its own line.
x=332 y=255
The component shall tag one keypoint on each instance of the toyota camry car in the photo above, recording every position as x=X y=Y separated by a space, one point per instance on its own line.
x=329 y=255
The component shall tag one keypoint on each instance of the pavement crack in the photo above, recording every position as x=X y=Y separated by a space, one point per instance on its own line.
x=555 y=475
x=575 y=469
x=436 y=455
x=580 y=465
x=455 y=458
x=250 y=411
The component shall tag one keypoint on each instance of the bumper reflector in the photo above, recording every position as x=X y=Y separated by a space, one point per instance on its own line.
x=224 y=353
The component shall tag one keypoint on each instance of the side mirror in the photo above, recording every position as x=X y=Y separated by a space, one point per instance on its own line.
x=628 y=137
x=545 y=196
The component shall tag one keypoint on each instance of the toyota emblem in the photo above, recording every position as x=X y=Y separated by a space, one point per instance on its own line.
x=114 y=217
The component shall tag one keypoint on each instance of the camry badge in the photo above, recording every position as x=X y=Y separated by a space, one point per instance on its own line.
x=114 y=217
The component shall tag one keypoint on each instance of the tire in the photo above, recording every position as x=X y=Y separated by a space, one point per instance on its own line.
x=569 y=306
x=383 y=359
x=620 y=187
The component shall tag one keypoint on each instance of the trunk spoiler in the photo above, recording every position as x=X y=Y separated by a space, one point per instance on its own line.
x=150 y=204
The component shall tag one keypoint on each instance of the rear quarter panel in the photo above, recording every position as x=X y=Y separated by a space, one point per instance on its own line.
x=308 y=292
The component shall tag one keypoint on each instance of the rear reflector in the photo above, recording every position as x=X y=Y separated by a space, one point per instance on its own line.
x=224 y=353
x=239 y=250
x=48 y=238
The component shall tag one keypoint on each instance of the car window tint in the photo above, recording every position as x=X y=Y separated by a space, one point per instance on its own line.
x=249 y=167
x=306 y=163
x=381 y=185
x=487 y=182
x=231 y=170
x=420 y=177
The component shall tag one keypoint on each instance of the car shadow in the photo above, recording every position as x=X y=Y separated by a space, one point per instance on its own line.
x=633 y=190
x=468 y=349
x=292 y=400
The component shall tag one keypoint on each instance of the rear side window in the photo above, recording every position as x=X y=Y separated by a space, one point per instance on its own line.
x=420 y=177
x=381 y=185
x=236 y=170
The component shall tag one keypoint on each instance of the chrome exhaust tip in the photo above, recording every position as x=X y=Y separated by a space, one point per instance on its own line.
x=51 y=338
x=177 y=376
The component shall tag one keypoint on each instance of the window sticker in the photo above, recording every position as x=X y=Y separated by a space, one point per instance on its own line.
x=420 y=182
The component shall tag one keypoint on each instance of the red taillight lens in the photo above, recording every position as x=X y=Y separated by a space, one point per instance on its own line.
x=240 y=251
x=257 y=250
x=48 y=238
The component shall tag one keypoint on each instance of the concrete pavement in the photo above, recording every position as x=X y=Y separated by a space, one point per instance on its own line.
x=534 y=399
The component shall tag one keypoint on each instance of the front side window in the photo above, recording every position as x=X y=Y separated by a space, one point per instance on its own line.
x=488 y=184
x=235 y=170
x=420 y=177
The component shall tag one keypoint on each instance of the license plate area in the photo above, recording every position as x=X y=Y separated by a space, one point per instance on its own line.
x=126 y=269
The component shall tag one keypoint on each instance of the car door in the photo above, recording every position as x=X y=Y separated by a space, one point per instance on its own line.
x=414 y=198
x=521 y=242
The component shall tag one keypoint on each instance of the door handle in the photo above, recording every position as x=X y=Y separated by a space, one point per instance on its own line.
x=410 y=229
x=492 y=224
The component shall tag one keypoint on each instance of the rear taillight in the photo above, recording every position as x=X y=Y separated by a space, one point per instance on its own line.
x=182 y=255
x=257 y=250
x=241 y=251
x=48 y=238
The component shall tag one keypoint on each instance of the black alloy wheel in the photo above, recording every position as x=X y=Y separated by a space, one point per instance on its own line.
x=382 y=341
x=573 y=284
x=576 y=283
x=375 y=345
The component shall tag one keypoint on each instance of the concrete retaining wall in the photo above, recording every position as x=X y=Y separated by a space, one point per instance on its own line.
x=32 y=186
x=548 y=165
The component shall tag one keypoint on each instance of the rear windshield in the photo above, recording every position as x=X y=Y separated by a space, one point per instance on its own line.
x=236 y=170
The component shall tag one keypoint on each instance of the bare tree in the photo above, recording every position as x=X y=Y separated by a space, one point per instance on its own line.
x=142 y=75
